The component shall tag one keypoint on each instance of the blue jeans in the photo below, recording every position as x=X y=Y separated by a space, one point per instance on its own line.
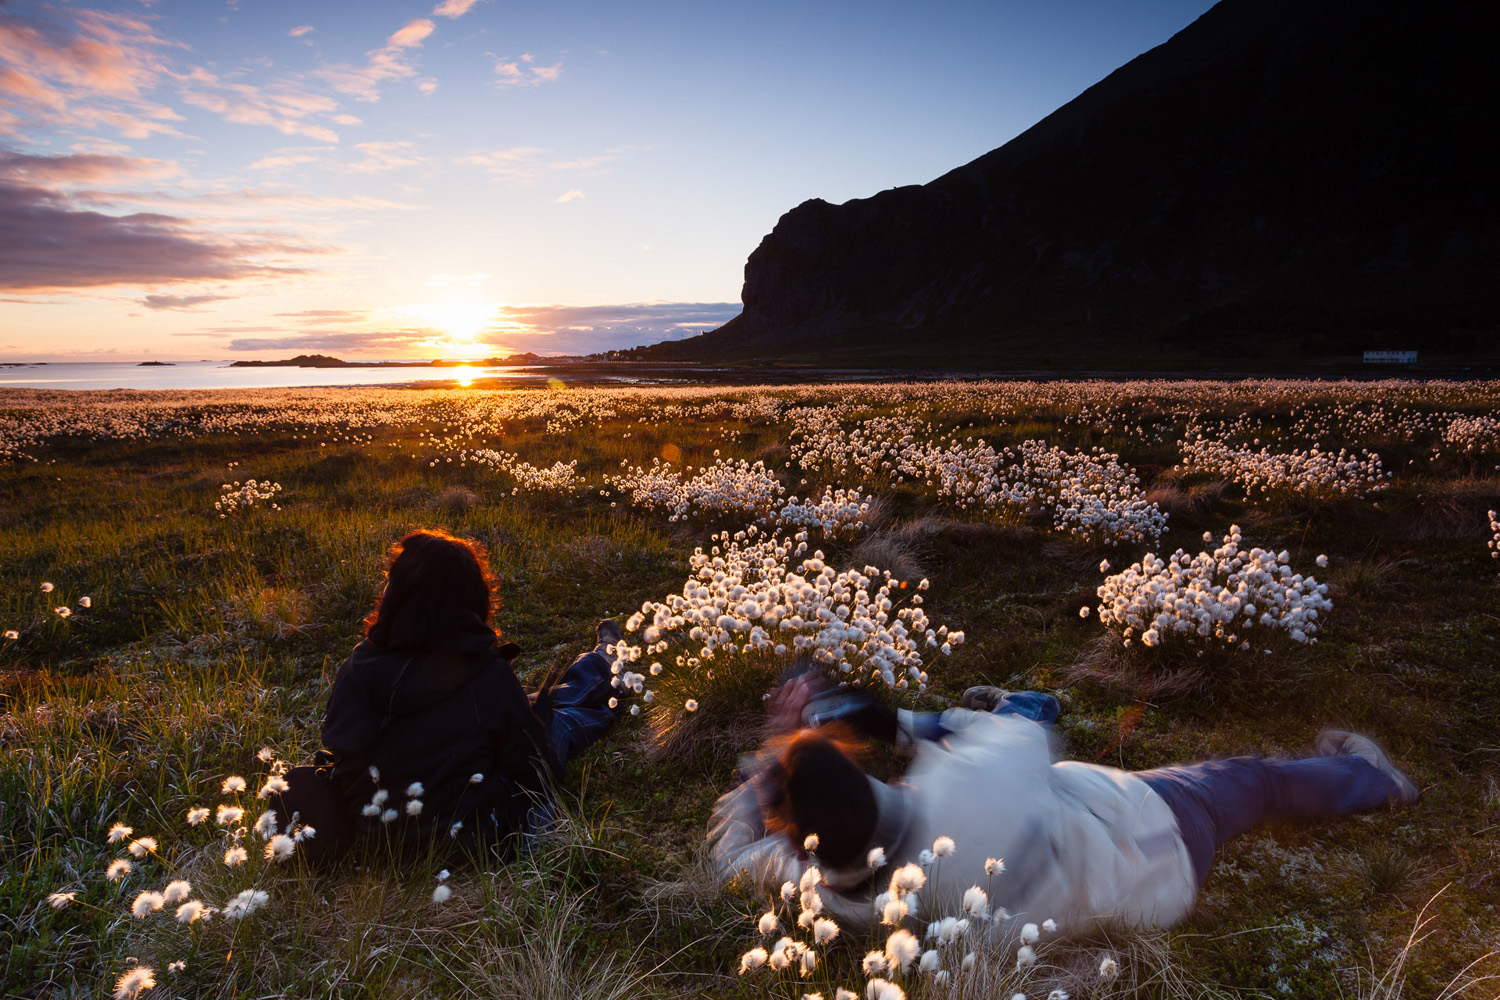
x=1034 y=705
x=580 y=705
x=1219 y=799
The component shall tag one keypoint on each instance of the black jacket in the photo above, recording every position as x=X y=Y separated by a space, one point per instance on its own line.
x=439 y=717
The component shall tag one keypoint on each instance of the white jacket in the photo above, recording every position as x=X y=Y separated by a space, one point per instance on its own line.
x=1081 y=843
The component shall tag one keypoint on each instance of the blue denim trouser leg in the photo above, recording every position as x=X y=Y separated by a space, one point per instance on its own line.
x=580 y=704
x=1219 y=799
x=1034 y=705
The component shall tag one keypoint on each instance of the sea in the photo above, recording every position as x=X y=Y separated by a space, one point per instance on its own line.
x=219 y=375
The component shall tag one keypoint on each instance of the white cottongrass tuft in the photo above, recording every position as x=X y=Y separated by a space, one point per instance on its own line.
x=1108 y=967
x=1025 y=957
x=876 y=858
x=1049 y=925
x=810 y=843
x=943 y=847
x=475 y=778
x=441 y=894
x=192 y=911
x=280 y=847
x=117 y=870
x=275 y=785
x=146 y=903
x=414 y=807
x=236 y=856
x=246 y=903
x=11 y=633
x=265 y=754
x=1030 y=934
x=197 y=815
x=265 y=826
x=176 y=891
x=46 y=588
x=752 y=960
x=691 y=705
x=881 y=989
x=118 y=832
x=994 y=866
x=58 y=900
x=874 y=961
x=908 y=878
x=767 y=924
x=976 y=903
x=415 y=790
x=176 y=966
x=229 y=815
x=928 y=962
x=389 y=816
x=133 y=983
x=824 y=930
x=902 y=948
x=232 y=785
x=142 y=846
x=378 y=799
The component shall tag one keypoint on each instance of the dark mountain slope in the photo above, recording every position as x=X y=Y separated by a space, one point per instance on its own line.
x=1304 y=177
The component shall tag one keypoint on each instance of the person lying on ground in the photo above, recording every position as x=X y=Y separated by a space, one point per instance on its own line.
x=428 y=730
x=1081 y=844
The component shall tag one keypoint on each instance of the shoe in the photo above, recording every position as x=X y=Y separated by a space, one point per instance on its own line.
x=609 y=632
x=983 y=697
x=1338 y=743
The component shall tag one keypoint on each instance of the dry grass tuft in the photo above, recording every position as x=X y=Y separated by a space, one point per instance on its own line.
x=1455 y=508
x=1375 y=577
x=888 y=551
x=454 y=500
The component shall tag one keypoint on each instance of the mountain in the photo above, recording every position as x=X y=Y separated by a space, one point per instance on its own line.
x=1282 y=177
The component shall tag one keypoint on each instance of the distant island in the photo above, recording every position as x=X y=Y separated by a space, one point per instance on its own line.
x=156 y=364
x=325 y=361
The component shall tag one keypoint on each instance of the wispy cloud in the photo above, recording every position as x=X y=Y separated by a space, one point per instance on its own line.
x=570 y=195
x=300 y=30
x=86 y=69
x=453 y=8
x=291 y=156
x=523 y=72
x=52 y=243
x=181 y=303
x=559 y=329
x=284 y=106
x=519 y=163
x=383 y=156
x=390 y=62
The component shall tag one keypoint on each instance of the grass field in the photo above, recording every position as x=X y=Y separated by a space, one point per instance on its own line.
x=209 y=633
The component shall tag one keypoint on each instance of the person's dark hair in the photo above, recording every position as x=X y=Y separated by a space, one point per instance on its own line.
x=816 y=786
x=434 y=581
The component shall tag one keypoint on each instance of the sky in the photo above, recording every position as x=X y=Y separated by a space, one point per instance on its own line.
x=241 y=179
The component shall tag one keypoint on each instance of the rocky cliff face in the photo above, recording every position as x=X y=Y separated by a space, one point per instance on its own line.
x=1315 y=174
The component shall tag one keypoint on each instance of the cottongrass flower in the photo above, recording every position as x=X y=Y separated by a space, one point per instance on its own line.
x=133 y=983
x=389 y=816
x=943 y=847
x=246 y=903
x=192 y=911
x=441 y=894
x=976 y=903
x=265 y=754
x=232 y=785
x=265 y=826
x=142 y=846
x=928 y=962
x=475 y=778
x=177 y=966
x=767 y=924
x=415 y=790
x=753 y=959
x=1030 y=934
x=1058 y=995
x=824 y=930
x=119 y=832
x=371 y=810
x=453 y=830
x=147 y=903
x=414 y=807
x=881 y=989
x=902 y=948
x=305 y=831
x=197 y=815
x=85 y=602
x=379 y=798
x=1049 y=925
x=59 y=900
x=117 y=870
x=229 y=815
x=843 y=994
x=11 y=633
x=876 y=858
x=46 y=588
x=1108 y=967
x=275 y=785
x=875 y=961
x=691 y=705
x=810 y=843
x=908 y=878
x=280 y=847
x=994 y=866
x=176 y=891
x=236 y=856
x=1025 y=957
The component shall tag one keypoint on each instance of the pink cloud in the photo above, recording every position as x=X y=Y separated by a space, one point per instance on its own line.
x=300 y=30
x=51 y=243
x=388 y=63
x=517 y=163
x=453 y=8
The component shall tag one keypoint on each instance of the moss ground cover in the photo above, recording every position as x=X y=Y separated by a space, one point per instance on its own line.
x=204 y=638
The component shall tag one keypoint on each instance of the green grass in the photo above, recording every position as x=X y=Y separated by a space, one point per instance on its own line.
x=209 y=638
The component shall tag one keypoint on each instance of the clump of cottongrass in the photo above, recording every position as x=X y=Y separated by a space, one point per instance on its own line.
x=117 y=870
x=133 y=983
x=245 y=903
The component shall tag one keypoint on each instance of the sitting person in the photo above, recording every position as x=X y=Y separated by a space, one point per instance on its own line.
x=429 y=730
x=1081 y=843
